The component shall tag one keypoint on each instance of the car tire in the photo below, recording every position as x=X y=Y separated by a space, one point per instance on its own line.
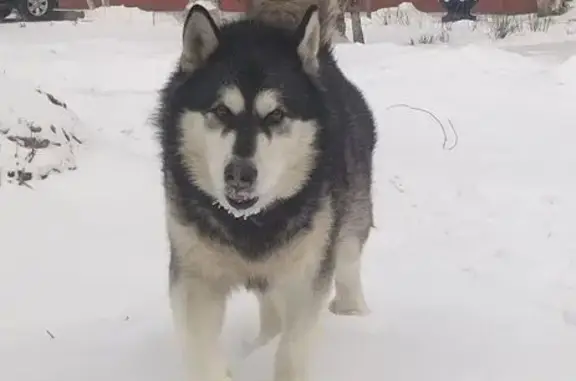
x=4 y=13
x=36 y=10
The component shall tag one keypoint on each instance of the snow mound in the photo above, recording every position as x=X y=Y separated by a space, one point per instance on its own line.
x=567 y=71
x=404 y=14
x=209 y=5
x=39 y=135
x=129 y=16
x=404 y=23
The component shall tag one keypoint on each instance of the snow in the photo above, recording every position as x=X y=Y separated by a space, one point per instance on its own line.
x=121 y=15
x=39 y=135
x=210 y=5
x=470 y=271
x=407 y=25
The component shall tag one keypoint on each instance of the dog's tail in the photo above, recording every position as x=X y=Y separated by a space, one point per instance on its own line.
x=289 y=14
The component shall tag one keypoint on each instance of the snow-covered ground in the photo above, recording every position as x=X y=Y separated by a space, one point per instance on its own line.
x=406 y=25
x=470 y=271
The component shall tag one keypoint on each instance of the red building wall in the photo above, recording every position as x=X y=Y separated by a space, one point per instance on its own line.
x=148 y=5
x=484 y=6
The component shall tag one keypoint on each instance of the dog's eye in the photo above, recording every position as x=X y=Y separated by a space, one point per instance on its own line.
x=274 y=117
x=221 y=111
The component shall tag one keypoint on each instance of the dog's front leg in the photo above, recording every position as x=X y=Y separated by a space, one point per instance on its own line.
x=301 y=304
x=198 y=310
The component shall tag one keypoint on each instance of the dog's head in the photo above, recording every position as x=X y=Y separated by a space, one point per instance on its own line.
x=251 y=109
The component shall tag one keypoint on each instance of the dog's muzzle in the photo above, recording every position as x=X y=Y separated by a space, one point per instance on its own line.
x=240 y=177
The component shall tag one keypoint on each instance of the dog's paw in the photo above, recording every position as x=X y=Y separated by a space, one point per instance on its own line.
x=220 y=375
x=349 y=308
x=227 y=377
x=250 y=346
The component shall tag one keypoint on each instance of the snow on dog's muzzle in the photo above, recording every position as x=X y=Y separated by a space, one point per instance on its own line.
x=240 y=177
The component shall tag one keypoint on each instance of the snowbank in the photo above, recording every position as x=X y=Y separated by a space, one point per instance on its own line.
x=404 y=14
x=213 y=9
x=209 y=5
x=567 y=71
x=121 y=15
x=39 y=135
x=405 y=24
x=130 y=16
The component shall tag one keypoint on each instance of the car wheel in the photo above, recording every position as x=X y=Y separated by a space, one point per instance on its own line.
x=4 y=13
x=33 y=10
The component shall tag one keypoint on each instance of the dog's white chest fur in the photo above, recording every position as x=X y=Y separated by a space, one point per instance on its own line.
x=205 y=257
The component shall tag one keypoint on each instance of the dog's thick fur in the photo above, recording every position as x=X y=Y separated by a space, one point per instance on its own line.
x=267 y=160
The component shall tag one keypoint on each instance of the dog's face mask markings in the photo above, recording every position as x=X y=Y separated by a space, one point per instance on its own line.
x=247 y=161
x=230 y=103
x=249 y=141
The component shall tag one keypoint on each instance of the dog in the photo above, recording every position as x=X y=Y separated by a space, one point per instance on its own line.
x=266 y=152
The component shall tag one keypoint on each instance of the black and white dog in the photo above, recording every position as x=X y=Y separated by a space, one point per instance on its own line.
x=267 y=159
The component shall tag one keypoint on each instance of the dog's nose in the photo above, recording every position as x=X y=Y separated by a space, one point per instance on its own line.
x=240 y=174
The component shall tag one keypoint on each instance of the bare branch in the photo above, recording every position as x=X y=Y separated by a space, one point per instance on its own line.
x=445 y=144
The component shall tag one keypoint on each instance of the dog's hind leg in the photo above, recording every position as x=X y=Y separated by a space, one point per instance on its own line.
x=349 y=299
x=198 y=311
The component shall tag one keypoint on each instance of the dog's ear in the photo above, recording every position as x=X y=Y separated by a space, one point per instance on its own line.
x=199 y=38
x=308 y=35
